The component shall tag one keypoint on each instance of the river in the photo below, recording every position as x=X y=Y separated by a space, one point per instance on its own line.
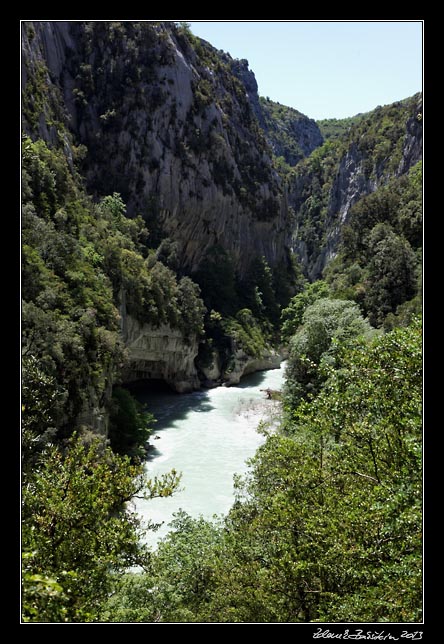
x=207 y=436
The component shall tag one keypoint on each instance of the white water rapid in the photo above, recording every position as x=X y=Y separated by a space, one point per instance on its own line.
x=207 y=436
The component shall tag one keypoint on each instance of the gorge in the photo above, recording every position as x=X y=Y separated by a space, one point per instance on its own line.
x=189 y=145
x=179 y=228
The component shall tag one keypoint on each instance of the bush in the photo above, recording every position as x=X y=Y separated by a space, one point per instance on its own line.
x=326 y=325
x=130 y=425
x=247 y=333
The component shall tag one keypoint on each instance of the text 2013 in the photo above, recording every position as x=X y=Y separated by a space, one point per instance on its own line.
x=359 y=634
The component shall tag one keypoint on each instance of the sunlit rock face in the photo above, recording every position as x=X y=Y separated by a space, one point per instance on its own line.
x=160 y=353
x=169 y=126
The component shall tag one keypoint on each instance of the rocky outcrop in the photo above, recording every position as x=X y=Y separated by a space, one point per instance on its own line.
x=362 y=163
x=161 y=353
x=212 y=371
x=351 y=183
x=164 y=122
x=242 y=364
x=290 y=134
x=412 y=146
x=241 y=70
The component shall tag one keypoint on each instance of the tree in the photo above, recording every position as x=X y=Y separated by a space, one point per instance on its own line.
x=216 y=278
x=191 y=307
x=77 y=530
x=179 y=581
x=260 y=289
x=326 y=324
x=391 y=273
x=130 y=425
x=41 y=404
x=292 y=315
x=114 y=205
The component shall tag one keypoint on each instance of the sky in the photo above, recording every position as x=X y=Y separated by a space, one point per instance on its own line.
x=325 y=69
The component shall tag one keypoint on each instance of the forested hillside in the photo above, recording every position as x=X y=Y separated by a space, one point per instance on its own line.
x=336 y=128
x=176 y=226
x=379 y=148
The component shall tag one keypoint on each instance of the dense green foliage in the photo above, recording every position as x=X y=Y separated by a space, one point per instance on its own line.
x=327 y=524
x=337 y=128
x=292 y=315
x=327 y=326
x=244 y=312
x=130 y=424
x=326 y=527
x=310 y=184
x=379 y=261
x=77 y=534
x=79 y=260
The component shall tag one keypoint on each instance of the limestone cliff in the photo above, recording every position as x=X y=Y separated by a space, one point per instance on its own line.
x=383 y=145
x=242 y=364
x=291 y=134
x=160 y=353
x=239 y=365
x=164 y=122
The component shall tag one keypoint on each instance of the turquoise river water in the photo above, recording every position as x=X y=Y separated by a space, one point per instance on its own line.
x=207 y=436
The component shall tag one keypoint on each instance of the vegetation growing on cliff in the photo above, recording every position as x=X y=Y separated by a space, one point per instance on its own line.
x=327 y=524
x=337 y=128
x=292 y=135
x=80 y=259
x=326 y=187
x=380 y=256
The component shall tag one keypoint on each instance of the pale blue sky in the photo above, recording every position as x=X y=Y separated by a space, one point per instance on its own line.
x=326 y=69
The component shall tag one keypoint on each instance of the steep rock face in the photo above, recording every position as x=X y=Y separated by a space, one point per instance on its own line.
x=212 y=371
x=243 y=364
x=167 y=124
x=241 y=70
x=412 y=147
x=45 y=50
x=351 y=183
x=160 y=353
x=324 y=189
x=291 y=134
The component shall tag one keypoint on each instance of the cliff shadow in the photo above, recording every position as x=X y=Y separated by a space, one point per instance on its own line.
x=252 y=379
x=167 y=406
